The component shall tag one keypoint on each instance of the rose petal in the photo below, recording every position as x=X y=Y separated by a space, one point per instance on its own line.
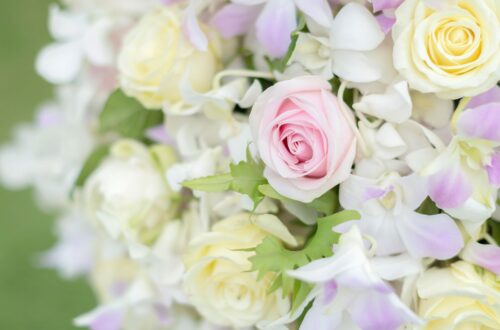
x=275 y=25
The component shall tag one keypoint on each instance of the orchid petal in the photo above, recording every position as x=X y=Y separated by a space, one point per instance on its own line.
x=355 y=28
x=60 y=63
x=484 y=255
x=493 y=170
x=275 y=25
x=449 y=188
x=379 y=5
x=491 y=96
x=318 y=10
x=233 y=19
x=435 y=236
x=481 y=122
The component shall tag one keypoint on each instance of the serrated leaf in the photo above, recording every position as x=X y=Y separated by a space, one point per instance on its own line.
x=272 y=256
x=126 y=116
x=247 y=177
x=92 y=162
x=215 y=183
x=326 y=204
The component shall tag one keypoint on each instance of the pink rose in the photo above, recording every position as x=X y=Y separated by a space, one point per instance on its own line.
x=304 y=138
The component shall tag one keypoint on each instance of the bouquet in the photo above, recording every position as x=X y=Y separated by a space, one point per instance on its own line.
x=272 y=164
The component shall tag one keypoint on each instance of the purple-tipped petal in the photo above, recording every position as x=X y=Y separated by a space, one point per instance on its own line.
x=491 y=96
x=373 y=310
x=318 y=10
x=481 y=122
x=109 y=320
x=435 y=236
x=385 y=4
x=233 y=19
x=449 y=188
x=386 y=23
x=493 y=170
x=484 y=255
x=275 y=25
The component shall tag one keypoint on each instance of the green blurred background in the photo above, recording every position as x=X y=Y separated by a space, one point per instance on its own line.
x=30 y=298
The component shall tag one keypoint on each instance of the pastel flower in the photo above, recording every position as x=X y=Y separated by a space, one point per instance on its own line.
x=303 y=136
x=461 y=296
x=452 y=49
x=387 y=206
x=347 y=286
x=156 y=56
x=484 y=255
x=274 y=20
x=464 y=178
x=127 y=195
x=80 y=39
x=218 y=280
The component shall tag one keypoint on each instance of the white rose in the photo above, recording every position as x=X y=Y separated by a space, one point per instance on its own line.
x=462 y=296
x=156 y=57
x=128 y=194
x=450 y=48
x=218 y=279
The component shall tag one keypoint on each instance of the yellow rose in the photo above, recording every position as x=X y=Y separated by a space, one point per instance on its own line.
x=218 y=281
x=156 y=56
x=460 y=297
x=448 y=47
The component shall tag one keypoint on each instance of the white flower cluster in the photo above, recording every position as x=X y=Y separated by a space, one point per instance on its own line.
x=272 y=164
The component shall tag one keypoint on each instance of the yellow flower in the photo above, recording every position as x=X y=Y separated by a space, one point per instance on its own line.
x=156 y=57
x=218 y=279
x=460 y=297
x=448 y=47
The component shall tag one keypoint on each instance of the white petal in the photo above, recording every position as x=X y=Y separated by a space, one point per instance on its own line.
x=355 y=28
x=60 y=63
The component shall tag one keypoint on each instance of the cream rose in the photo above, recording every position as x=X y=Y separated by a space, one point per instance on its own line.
x=460 y=297
x=218 y=279
x=304 y=137
x=156 y=57
x=128 y=195
x=448 y=47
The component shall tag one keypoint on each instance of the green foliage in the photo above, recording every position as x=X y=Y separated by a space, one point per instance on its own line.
x=126 y=116
x=280 y=64
x=92 y=162
x=494 y=230
x=272 y=256
x=244 y=177
x=428 y=207
x=325 y=204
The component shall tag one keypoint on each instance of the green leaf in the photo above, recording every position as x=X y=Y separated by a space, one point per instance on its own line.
x=244 y=177
x=126 y=116
x=92 y=162
x=495 y=230
x=247 y=177
x=272 y=256
x=215 y=183
x=428 y=207
x=326 y=204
